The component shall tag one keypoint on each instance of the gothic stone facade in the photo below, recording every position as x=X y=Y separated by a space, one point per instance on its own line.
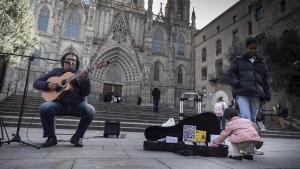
x=146 y=50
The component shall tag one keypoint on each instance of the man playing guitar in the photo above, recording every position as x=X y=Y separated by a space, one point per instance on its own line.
x=72 y=102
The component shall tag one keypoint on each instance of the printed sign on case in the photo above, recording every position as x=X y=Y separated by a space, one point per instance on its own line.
x=213 y=137
x=200 y=136
x=170 y=139
x=189 y=133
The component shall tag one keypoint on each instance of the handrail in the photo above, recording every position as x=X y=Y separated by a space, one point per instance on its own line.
x=9 y=87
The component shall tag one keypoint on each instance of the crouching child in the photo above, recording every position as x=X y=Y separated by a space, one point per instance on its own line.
x=242 y=133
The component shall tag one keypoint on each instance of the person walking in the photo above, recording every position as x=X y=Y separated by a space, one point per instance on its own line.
x=219 y=108
x=156 y=99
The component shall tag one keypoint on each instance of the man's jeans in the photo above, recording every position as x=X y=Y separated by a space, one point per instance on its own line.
x=155 y=105
x=248 y=106
x=48 y=110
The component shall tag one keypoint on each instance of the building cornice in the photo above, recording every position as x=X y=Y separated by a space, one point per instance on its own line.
x=218 y=17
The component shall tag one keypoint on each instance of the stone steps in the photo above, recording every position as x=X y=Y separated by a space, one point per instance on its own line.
x=73 y=126
x=107 y=112
x=72 y=123
x=96 y=117
x=280 y=134
x=102 y=107
x=132 y=117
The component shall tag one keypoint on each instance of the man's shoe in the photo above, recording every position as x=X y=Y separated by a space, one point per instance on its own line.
x=248 y=157
x=76 y=141
x=51 y=141
x=236 y=157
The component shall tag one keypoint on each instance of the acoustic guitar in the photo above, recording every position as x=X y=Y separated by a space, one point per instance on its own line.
x=65 y=82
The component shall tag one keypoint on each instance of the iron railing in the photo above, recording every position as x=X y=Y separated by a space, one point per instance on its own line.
x=10 y=87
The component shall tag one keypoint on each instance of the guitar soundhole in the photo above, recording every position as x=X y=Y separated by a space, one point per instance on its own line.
x=62 y=86
x=63 y=82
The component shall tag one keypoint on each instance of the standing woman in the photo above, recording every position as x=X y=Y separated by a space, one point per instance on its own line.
x=249 y=80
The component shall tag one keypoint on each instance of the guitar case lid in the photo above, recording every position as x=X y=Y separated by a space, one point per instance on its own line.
x=206 y=121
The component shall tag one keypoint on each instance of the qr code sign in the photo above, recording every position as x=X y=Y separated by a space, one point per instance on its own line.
x=189 y=132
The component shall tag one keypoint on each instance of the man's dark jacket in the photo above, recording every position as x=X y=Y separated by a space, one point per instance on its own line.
x=81 y=88
x=156 y=94
x=249 y=79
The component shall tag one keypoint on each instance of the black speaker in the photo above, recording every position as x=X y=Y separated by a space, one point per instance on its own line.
x=111 y=128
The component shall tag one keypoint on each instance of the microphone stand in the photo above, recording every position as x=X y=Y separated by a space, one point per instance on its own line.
x=16 y=137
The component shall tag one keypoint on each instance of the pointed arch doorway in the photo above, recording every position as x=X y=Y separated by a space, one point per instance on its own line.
x=113 y=81
x=122 y=76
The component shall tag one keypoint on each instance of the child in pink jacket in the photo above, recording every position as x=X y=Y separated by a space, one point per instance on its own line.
x=242 y=133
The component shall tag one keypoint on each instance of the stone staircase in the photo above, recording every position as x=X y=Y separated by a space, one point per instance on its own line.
x=133 y=118
x=274 y=130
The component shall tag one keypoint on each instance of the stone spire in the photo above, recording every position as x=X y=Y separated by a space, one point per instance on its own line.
x=150 y=3
x=193 y=19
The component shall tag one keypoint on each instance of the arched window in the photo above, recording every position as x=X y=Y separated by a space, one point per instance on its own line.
x=156 y=72
x=73 y=25
x=180 y=10
x=180 y=75
x=158 y=42
x=204 y=54
x=43 y=19
x=218 y=46
x=180 y=45
x=119 y=28
x=37 y=53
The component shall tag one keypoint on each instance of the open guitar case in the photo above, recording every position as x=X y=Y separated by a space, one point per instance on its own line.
x=205 y=121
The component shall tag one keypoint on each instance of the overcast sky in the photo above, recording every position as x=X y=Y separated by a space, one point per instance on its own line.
x=206 y=10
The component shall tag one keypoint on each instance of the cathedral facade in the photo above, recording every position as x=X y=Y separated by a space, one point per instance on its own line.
x=146 y=50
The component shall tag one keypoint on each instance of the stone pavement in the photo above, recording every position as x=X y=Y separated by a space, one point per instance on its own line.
x=128 y=153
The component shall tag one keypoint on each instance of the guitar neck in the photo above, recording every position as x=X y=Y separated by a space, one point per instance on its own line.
x=89 y=69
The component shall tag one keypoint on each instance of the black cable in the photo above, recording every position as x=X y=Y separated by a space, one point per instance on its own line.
x=29 y=126
x=85 y=138
x=52 y=63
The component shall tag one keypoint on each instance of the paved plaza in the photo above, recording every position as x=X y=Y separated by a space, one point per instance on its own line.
x=127 y=153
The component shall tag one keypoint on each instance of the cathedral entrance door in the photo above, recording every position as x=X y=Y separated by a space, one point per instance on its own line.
x=117 y=90
x=107 y=92
x=110 y=90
